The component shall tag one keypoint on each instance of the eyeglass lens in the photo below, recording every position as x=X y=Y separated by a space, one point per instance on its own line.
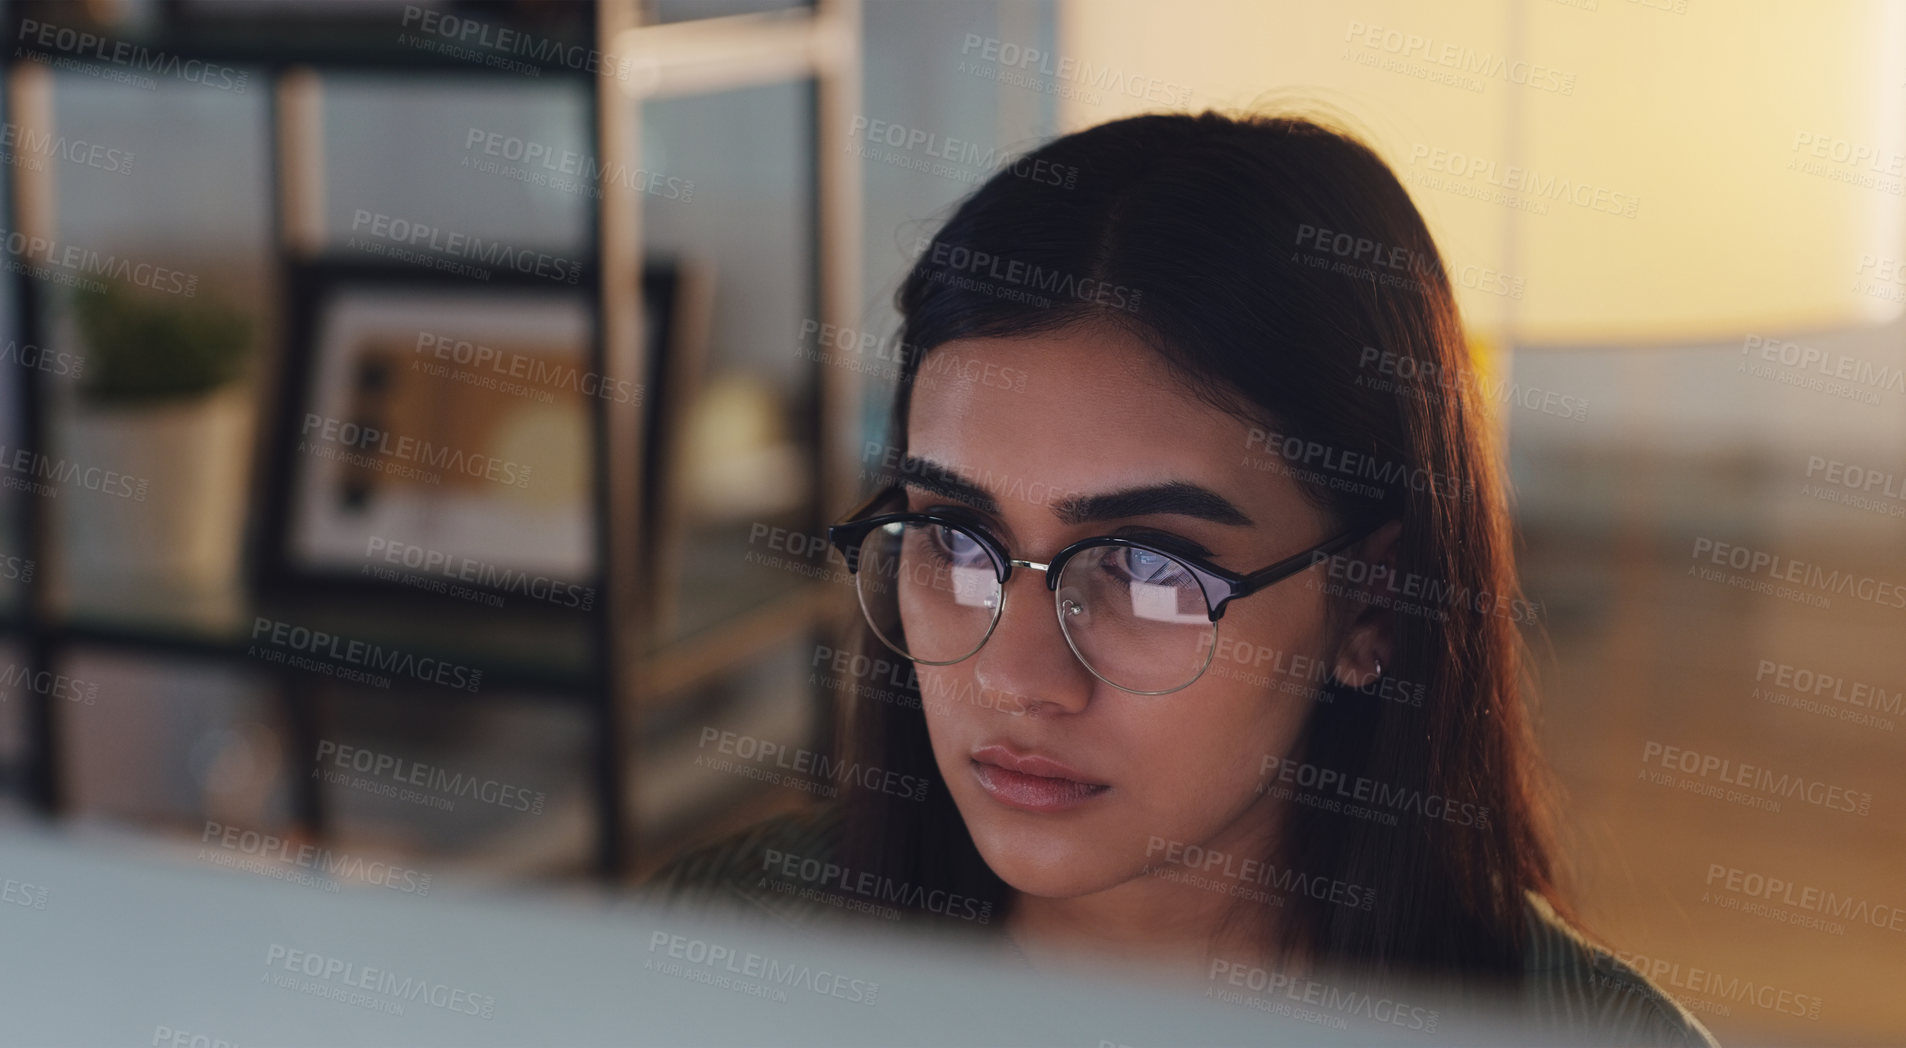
x=1137 y=618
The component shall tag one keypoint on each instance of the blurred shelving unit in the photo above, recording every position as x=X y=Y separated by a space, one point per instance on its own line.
x=636 y=654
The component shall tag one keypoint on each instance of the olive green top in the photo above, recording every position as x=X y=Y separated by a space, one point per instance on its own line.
x=1570 y=987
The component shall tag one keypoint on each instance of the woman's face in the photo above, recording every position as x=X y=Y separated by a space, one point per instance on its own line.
x=1091 y=411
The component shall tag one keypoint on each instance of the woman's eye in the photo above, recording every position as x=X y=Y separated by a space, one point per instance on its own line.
x=1145 y=566
x=960 y=547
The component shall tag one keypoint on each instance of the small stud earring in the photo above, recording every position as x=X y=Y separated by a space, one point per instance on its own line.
x=1379 y=666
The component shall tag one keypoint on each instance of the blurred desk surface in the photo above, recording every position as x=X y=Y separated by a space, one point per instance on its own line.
x=108 y=943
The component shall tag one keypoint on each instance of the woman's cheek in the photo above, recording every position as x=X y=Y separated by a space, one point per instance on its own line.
x=944 y=717
x=1219 y=752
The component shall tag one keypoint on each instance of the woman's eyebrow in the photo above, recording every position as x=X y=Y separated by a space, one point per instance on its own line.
x=1176 y=497
x=931 y=476
x=1180 y=498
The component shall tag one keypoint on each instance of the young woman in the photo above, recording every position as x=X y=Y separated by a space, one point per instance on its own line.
x=1192 y=538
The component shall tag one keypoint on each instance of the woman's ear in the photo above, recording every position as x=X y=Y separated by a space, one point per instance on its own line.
x=1368 y=640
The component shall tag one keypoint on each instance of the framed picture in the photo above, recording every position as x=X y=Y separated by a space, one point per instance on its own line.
x=432 y=426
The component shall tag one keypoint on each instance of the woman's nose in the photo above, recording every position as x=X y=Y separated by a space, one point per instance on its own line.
x=1027 y=656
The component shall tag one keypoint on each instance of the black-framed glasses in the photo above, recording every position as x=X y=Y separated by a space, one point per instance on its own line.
x=1142 y=617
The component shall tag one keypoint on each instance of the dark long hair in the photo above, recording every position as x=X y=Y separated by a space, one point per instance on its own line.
x=1280 y=267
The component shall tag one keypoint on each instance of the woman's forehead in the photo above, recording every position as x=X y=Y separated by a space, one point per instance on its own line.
x=1084 y=411
x=1064 y=395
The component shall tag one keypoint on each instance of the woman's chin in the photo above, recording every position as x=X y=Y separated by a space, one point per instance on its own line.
x=1052 y=870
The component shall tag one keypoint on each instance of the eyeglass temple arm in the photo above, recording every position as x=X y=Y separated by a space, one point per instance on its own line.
x=1291 y=565
x=847 y=534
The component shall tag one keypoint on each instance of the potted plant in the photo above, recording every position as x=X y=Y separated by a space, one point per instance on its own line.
x=162 y=406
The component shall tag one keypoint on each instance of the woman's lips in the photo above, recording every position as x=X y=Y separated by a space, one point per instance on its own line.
x=1031 y=783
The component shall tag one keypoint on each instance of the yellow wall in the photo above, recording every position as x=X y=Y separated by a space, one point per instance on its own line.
x=1692 y=117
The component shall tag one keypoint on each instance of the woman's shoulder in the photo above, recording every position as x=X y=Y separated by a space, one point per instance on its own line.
x=1571 y=984
x=760 y=869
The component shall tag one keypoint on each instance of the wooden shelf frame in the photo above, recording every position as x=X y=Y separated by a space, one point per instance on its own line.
x=629 y=676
